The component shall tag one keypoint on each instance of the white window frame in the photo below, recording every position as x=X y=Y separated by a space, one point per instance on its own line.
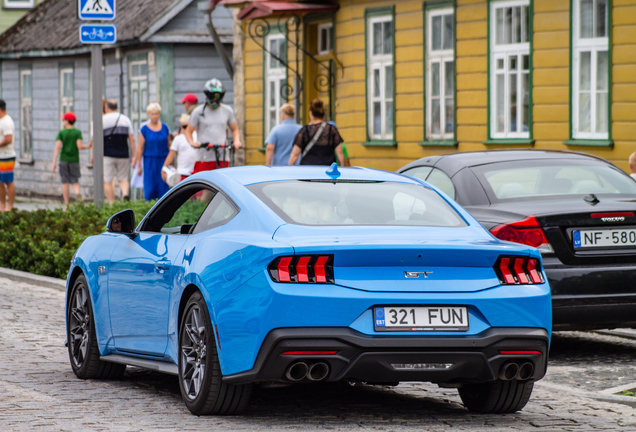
x=504 y=52
x=67 y=103
x=26 y=118
x=19 y=4
x=594 y=45
x=441 y=57
x=380 y=63
x=273 y=76
x=329 y=36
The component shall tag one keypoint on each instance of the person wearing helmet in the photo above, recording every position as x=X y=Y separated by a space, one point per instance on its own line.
x=211 y=121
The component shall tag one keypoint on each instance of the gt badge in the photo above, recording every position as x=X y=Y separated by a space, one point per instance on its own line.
x=101 y=269
x=416 y=274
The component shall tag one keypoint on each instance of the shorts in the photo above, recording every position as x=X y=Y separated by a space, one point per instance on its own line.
x=6 y=170
x=69 y=172
x=208 y=166
x=116 y=168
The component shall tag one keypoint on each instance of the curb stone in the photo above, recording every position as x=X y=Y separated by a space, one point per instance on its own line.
x=21 y=276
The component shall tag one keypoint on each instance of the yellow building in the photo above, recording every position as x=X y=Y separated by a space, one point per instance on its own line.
x=12 y=10
x=406 y=79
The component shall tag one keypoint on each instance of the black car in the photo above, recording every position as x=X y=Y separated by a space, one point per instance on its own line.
x=577 y=209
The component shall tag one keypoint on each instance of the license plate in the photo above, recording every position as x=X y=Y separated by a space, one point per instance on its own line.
x=421 y=318
x=604 y=238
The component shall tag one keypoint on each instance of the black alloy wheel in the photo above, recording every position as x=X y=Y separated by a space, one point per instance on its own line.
x=82 y=342
x=200 y=377
x=496 y=397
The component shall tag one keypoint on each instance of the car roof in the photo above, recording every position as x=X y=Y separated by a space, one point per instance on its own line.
x=247 y=175
x=454 y=162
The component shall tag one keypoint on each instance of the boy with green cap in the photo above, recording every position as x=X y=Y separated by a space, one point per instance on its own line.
x=67 y=146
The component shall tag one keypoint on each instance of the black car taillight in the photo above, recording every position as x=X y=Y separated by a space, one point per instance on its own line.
x=302 y=269
x=518 y=270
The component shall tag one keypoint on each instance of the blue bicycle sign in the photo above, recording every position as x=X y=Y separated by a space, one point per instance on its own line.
x=103 y=10
x=98 y=34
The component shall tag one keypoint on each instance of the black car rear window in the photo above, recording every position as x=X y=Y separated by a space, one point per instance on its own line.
x=552 y=178
x=356 y=203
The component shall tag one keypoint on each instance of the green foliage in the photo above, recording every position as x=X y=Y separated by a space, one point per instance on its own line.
x=627 y=393
x=44 y=241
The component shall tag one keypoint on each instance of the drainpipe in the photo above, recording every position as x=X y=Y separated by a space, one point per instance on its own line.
x=220 y=49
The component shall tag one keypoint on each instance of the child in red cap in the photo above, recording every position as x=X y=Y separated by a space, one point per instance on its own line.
x=67 y=146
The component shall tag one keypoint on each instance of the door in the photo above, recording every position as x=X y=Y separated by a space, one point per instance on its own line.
x=144 y=270
x=319 y=67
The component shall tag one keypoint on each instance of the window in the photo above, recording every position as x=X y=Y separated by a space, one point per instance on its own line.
x=510 y=35
x=67 y=90
x=219 y=212
x=138 y=101
x=590 y=69
x=325 y=40
x=275 y=80
x=380 y=79
x=435 y=177
x=358 y=203
x=18 y=4
x=26 y=114
x=440 y=74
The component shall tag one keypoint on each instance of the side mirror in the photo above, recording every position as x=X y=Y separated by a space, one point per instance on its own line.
x=122 y=222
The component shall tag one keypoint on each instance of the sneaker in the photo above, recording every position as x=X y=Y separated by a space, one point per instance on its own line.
x=126 y=198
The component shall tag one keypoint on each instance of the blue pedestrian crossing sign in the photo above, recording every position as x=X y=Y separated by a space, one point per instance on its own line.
x=101 y=10
x=98 y=34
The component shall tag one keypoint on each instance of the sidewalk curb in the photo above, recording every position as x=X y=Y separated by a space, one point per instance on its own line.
x=44 y=281
x=625 y=400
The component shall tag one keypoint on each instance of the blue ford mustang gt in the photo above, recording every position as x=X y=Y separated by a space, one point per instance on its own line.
x=300 y=275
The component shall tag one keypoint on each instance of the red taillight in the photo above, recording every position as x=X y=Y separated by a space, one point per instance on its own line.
x=527 y=231
x=302 y=269
x=520 y=352
x=313 y=353
x=518 y=270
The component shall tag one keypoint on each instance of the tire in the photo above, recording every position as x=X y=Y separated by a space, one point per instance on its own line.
x=497 y=397
x=200 y=378
x=82 y=342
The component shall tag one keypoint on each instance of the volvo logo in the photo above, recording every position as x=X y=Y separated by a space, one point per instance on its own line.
x=416 y=274
x=613 y=219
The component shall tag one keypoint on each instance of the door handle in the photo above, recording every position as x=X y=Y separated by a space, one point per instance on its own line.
x=163 y=265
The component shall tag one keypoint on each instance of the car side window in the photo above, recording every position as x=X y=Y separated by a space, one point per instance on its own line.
x=440 y=180
x=179 y=212
x=218 y=213
x=420 y=172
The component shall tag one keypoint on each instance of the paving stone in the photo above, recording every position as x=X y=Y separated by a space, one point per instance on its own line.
x=39 y=392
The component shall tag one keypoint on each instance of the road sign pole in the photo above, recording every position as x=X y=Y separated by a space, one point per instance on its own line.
x=98 y=127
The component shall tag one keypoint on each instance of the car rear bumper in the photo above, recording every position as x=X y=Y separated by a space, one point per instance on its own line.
x=587 y=297
x=391 y=359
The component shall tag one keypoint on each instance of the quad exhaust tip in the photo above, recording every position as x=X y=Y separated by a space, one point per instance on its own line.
x=510 y=371
x=300 y=370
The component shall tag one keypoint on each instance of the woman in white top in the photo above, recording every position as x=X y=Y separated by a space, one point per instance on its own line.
x=186 y=154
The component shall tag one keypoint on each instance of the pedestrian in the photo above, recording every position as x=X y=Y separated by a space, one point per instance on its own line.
x=632 y=165
x=211 y=121
x=154 y=145
x=119 y=151
x=190 y=102
x=186 y=154
x=7 y=159
x=67 y=146
x=281 y=139
x=317 y=143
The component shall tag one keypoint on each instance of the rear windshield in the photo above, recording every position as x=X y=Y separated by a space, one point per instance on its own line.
x=541 y=178
x=356 y=203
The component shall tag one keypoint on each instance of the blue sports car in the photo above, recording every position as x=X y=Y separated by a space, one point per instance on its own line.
x=300 y=275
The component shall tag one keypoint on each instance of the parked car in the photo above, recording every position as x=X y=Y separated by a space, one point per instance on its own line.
x=300 y=275
x=577 y=209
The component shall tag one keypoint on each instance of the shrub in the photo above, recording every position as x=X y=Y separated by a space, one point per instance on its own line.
x=44 y=241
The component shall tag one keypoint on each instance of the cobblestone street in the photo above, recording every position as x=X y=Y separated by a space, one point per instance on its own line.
x=38 y=390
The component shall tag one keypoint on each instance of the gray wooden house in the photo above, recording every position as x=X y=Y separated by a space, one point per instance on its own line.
x=164 y=51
